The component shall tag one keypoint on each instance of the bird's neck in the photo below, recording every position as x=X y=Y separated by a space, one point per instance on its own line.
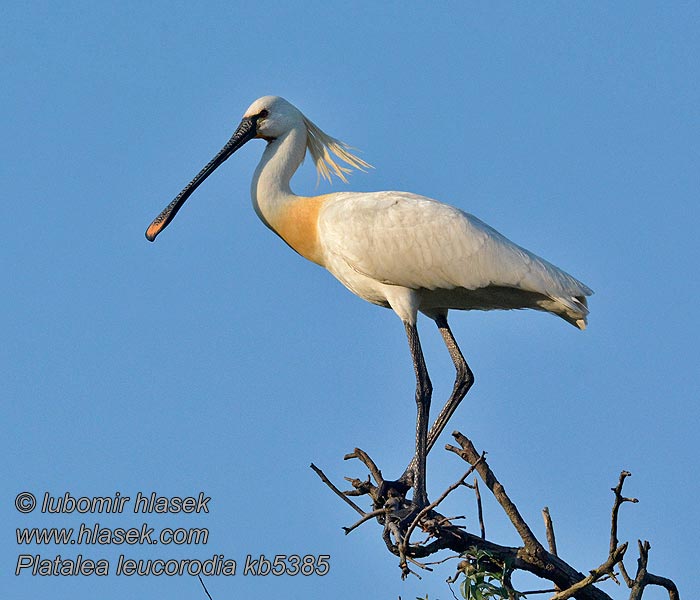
x=270 y=188
x=294 y=218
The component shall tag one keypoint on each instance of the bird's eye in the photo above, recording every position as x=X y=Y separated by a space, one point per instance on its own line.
x=263 y=113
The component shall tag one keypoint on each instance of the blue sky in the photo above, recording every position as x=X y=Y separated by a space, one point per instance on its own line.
x=216 y=360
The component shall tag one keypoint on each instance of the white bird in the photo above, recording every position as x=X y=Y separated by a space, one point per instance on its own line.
x=394 y=249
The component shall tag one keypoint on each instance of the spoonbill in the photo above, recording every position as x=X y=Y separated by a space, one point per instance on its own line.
x=394 y=249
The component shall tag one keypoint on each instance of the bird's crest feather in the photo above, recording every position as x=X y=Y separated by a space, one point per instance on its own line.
x=321 y=145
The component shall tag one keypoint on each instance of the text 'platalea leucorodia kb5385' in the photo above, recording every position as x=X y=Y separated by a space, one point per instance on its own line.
x=394 y=249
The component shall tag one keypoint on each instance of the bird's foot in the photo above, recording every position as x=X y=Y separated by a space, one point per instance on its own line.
x=399 y=488
x=418 y=483
x=392 y=489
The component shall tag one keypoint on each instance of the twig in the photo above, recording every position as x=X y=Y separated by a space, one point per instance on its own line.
x=405 y=571
x=508 y=585
x=327 y=481
x=364 y=519
x=204 y=586
x=369 y=463
x=595 y=574
x=615 y=555
x=549 y=528
x=644 y=578
x=439 y=562
x=451 y=590
x=362 y=487
x=419 y=564
x=479 y=508
x=434 y=504
x=619 y=500
x=469 y=453
x=455 y=518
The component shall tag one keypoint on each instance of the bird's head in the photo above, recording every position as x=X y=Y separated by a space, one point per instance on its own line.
x=269 y=117
x=273 y=117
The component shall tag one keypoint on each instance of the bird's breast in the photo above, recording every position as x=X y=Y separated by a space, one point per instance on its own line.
x=296 y=223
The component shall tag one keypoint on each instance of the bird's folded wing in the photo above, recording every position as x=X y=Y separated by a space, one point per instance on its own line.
x=409 y=240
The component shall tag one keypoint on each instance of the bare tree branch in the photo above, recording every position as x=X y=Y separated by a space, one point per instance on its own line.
x=644 y=578
x=595 y=575
x=479 y=508
x=433 y=505
x=399 y=518
x=206 y=591
x=549 y=528
x=469 y=453
x=367 y=517
x=619 y=499
x=368 y=462
x=327 y=481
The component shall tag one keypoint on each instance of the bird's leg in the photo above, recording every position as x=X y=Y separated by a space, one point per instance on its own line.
x=424 y=389
x=415 y=474
x=463 y=382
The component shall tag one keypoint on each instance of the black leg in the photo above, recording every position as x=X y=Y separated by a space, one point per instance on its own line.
x=415 y=473
x=424 y=389
x=463 y=382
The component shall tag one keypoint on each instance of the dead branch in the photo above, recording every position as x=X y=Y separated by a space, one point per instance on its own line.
x=479 y=509
x=619 y=499
x=434 y=505
x=549 y=529
x=469 y=453
x=340 y=494
x=399 y=518
x=369 y=463
x=644 y=578
x=594 y=576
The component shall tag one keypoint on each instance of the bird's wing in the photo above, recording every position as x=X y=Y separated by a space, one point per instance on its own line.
x=409 y=240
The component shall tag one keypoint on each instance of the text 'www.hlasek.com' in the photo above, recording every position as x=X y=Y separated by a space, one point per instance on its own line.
x=99 y=536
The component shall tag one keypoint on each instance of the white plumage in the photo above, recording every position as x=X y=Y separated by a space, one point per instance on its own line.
x=393 y=249
x=446 y=257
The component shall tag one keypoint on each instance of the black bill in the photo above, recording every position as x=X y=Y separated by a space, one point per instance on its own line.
x=244 y=132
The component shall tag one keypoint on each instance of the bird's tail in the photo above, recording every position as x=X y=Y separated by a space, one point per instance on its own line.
x=574 y=310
